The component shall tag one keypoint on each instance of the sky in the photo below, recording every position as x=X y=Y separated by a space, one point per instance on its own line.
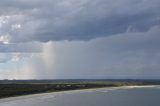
x=79 y=39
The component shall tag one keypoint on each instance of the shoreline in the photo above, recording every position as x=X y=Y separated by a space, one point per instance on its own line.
x=16 y=98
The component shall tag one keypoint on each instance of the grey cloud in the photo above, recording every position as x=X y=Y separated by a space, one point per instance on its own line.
x=83 y=20
x=133 y=41
x=21 y=48
x=109 y=57
x=14 y=57
x=123 y=37
x=4 y=58
x=120 y=56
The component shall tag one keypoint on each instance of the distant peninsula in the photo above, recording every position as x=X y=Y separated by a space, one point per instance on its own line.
x=12 y=88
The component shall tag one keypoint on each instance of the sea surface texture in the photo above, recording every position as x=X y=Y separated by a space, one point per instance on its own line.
x=126 y=96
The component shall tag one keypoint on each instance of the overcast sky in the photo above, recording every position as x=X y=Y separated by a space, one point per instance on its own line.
x=55 y=39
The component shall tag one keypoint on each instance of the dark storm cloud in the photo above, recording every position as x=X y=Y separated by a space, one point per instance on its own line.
x=77 y=20
x=131 y=55
x=123 y=37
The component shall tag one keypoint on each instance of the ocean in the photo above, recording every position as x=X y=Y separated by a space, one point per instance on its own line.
x=122 y=96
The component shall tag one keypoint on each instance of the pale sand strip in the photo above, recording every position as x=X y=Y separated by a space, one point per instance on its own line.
x=9 y=99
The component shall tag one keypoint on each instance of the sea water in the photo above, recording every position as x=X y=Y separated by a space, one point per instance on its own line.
x=124 y=96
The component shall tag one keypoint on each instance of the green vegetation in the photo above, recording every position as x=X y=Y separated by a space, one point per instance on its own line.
x=17 y=88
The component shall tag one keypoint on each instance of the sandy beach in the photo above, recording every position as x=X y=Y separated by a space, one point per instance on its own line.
x=9 y=99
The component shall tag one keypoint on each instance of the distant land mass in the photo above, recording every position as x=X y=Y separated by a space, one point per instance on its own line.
x=10 y=88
